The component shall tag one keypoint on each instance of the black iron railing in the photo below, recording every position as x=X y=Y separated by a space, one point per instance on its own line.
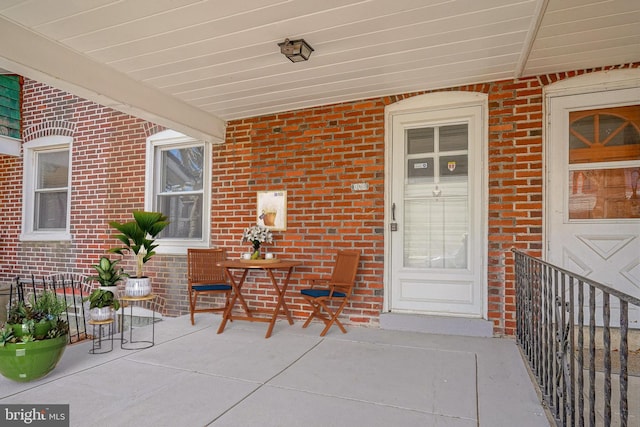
x=565 y=327
x=71 y=287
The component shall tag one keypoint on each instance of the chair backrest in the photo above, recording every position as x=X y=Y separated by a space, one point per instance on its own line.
x=202 y=265
x=345 y=269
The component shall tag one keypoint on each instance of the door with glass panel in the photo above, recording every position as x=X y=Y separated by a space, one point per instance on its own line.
x=594 y=199
x=436 y=237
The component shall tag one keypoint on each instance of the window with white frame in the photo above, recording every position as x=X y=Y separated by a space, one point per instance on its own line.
x=178 y=185
x=47 y=188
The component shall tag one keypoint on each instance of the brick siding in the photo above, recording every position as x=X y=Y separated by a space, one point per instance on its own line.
x=315 y=154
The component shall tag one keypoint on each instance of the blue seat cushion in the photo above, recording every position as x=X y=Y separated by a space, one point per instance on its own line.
x=212 y=287
x=316 y=293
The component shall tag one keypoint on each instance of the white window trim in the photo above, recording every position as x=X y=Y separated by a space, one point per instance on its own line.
x=28 y=187
x=173 y=138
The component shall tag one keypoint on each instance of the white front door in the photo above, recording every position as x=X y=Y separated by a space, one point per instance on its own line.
x=435 y=209
x=593 y=158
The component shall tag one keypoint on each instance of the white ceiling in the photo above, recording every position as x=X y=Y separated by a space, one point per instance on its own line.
x=211 y=58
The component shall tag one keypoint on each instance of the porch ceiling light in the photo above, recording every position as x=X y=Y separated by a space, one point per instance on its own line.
x=295 y=50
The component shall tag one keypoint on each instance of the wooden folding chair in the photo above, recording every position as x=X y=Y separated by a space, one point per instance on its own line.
x=205 y=277
x=338 y=288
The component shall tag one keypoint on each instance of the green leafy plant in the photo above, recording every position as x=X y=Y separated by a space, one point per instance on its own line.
x=138 y=236
x=37 y=319
x=49 y=304
x=19 y=313
x=100 y=298
x=108 y=273
x=6 y=334
x=28 y=338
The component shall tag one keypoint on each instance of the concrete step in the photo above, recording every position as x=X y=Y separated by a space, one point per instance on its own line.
x=444 y=325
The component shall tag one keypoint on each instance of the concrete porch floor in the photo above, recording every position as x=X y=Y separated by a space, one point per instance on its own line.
x=367 y=377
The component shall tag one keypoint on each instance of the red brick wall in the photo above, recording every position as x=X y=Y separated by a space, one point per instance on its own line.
x=315 y=154
x=96 y=181
x=107 y=184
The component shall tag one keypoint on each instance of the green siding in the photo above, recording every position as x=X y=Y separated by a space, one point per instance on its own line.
x=10 y=105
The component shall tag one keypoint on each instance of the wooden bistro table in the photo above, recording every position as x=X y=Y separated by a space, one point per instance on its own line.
x=268 y=265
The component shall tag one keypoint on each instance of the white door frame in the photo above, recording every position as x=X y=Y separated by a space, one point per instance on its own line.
x=432 y=102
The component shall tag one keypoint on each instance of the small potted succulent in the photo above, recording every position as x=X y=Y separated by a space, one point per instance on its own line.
x=102 y=304
x=138 y=237
x=34 y=337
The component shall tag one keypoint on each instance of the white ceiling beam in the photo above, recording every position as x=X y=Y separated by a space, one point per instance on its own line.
x=10 y=146
x=532 y=34
x=28 y=54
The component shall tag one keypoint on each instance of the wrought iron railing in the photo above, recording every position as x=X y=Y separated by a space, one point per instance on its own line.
x=560 y=317
x=71 y=287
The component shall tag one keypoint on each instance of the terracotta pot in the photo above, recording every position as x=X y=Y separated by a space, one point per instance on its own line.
x=270 y=218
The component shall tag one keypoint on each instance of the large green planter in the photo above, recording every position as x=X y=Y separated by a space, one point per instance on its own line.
x=28 y=361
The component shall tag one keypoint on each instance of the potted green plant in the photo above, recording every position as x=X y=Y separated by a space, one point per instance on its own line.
x=138 y=237
x=34 y=337
x=102 y=304
x=108 y=274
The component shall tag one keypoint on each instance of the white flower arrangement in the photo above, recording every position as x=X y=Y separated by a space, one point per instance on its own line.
x=257 y=234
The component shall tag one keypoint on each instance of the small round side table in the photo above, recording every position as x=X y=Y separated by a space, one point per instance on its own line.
x=130 y=343
x=99 y=338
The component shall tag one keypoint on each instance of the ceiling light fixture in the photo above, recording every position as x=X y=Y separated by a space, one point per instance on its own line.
x=295 y=50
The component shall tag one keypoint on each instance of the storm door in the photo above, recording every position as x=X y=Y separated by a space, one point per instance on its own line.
x=435 y=225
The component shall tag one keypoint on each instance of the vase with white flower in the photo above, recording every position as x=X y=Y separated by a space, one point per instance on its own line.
x=257 y=235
